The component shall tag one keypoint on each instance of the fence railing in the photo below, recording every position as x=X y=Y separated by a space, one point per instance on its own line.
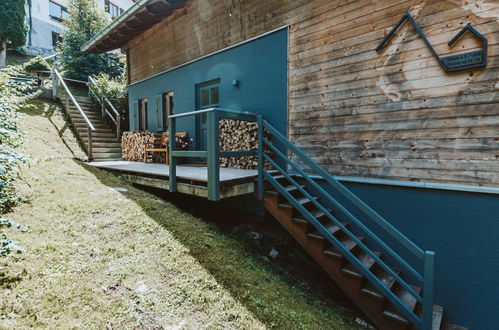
x=107 y=107
x=56 y=80
x=212 y=153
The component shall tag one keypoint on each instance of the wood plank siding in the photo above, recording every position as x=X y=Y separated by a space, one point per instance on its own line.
x=394 y=114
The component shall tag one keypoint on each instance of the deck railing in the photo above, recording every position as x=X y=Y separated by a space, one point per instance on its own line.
x=212 y=153
x=292 y=156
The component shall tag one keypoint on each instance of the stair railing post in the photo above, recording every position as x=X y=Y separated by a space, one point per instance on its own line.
x=66 y=99
x=55 y=85
x=260 y=158
x=103 y=107
x=213 y=156
x=171 y=149
x=89 y=146
x=118 y=127
x=429 y=263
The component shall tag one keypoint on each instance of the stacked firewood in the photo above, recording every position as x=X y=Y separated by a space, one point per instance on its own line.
x=238 y=135
x=132 y=144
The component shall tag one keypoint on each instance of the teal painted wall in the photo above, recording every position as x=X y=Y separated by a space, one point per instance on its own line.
x=462 y=228
x=260 y=66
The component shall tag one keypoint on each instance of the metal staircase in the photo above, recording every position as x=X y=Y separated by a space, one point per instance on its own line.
x=97 y=127
x=393 y=292
x=391 y=283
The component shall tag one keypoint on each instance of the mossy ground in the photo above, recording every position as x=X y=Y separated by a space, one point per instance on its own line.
x=97 y=257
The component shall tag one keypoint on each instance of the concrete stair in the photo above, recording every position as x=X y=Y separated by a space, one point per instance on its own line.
x=105 y=144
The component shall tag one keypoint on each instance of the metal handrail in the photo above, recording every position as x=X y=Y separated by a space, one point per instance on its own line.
x=427 y=257
x=212 y=153
x=69 y=96
x=72 y=98
x=389 y=228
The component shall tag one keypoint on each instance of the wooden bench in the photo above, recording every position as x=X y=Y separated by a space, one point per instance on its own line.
x=159 y=145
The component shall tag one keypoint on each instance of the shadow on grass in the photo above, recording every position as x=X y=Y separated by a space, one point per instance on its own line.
x=301 y=298
x=46 y=109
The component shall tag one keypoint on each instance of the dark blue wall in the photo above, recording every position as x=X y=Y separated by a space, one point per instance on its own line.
x=259 y=65
x=463 y=229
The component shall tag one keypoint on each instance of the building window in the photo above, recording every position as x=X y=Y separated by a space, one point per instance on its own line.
x=57 y=12
x=113 y=10
x=143 y=115
x=56 y=39
x=167 y=108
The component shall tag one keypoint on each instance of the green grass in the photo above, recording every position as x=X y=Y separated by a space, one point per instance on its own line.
x=96 y=257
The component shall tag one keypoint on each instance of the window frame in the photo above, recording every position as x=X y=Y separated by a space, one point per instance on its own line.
x=142 y=115
x=63 y=11
x=57 y=37
x=167 y=109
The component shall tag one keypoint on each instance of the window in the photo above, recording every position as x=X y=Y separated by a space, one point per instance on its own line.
x=167 y=108
x=56 y=39
x=113 y=10
x=57 y=12
x=143 y=115
x=209 y=97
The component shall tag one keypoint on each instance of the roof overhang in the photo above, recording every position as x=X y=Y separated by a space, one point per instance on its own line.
x=138 y=18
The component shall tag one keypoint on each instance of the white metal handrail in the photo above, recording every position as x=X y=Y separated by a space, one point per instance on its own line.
x=90 y=126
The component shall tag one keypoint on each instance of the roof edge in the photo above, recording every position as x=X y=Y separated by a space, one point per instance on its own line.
x=129 y=12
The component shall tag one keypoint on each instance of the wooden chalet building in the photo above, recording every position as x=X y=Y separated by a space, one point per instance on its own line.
x=410 y=125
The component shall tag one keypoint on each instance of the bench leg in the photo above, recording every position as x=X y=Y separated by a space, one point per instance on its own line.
x=167 y=157
x=145 y=156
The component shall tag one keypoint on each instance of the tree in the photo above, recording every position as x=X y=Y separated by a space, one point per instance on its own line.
x=13 y=29
x=85 y=21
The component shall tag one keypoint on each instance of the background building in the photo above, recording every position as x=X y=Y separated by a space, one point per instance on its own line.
x=45 y=20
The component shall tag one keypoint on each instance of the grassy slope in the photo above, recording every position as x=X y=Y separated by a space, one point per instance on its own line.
x=98 y=257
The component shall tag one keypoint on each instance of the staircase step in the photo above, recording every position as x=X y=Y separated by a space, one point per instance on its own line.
x=438 y=313
x=332 y=228
x=107 y=159
x=303 y=201
x=281 y=178
x=347 y=242
x=112 y=144
x=408 y=299
x=96 y=155
x=97 y=125
x=387 y=280
x=300 y=219
x=290 y=189
x=100 y=140
x=105 y=149
x=365 y=259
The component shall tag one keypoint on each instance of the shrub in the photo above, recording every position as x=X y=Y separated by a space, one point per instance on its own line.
x=37 y=63
x=115 y=89
x=12 y=96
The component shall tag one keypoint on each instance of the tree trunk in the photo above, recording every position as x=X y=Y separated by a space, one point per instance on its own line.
x=3 y=52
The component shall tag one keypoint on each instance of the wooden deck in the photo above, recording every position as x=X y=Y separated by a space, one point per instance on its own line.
x=191 y=180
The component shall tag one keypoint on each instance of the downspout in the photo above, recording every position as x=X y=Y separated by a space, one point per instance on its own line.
x=30 y=18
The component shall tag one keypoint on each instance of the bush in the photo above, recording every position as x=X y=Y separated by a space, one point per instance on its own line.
x=12 y=96
x=115 y=89
x=37 y=63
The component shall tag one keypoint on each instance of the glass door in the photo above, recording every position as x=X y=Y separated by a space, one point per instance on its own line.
x=208 y=96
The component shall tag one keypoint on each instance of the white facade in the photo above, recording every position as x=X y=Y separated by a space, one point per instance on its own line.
x=45 y=21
